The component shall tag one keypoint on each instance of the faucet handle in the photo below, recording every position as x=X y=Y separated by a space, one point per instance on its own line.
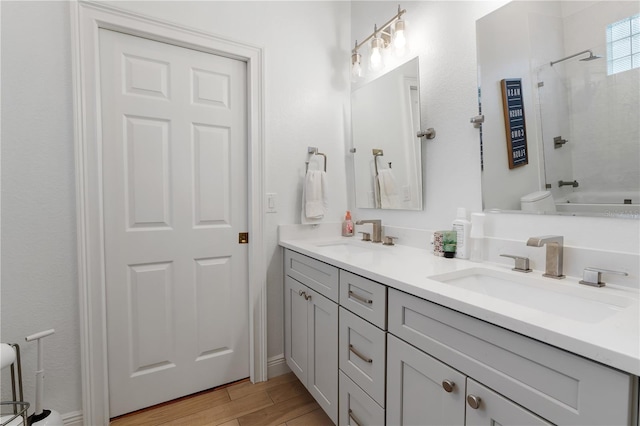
x=522 y=263
x=365 y=236
x=593 y=276
x=388 y=240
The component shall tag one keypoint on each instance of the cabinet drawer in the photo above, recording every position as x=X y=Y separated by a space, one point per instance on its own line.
x=362 y=354
x=364 y=297
x=317 y=275
x=356 y=407
x=557 y=385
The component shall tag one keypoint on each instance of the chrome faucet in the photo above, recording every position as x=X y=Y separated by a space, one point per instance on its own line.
x=555 y=247
x=377 y=229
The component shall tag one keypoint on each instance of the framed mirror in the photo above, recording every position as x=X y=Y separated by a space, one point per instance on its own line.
x=579 y=67
x=385 y=118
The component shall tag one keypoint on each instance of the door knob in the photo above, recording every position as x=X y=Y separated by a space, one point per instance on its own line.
x=474 y=401
x=448 y=385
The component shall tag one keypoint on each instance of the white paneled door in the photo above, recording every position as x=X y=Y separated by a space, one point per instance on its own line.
x=174 y=131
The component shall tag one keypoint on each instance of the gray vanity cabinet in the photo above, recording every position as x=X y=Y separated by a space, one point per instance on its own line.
x=371 y=354
x=556 y=385
x=423 y=391
x=311 y=328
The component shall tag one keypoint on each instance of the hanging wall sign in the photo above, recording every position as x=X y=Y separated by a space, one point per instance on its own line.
x=514 y=122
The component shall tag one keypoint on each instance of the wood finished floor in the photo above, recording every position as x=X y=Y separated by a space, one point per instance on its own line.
x=280 y=401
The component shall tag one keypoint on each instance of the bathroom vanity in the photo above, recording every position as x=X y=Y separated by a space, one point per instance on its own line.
x=395 y=335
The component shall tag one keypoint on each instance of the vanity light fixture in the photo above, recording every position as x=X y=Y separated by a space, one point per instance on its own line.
x=392 y=33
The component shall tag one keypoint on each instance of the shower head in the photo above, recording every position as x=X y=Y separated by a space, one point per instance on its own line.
x=591 y=57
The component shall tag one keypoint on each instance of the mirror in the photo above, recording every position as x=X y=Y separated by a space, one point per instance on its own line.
x=385 y=117
x=582 y=126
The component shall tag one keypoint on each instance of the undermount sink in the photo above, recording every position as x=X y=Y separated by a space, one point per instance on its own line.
x=567 y=300
x=350 y=246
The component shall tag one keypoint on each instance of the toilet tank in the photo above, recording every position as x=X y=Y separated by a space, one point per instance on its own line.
x=539 y=201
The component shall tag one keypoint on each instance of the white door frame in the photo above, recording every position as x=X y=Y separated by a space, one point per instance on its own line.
x=86 y=20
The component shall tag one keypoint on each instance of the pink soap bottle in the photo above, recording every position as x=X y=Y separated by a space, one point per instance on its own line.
x=347 y=225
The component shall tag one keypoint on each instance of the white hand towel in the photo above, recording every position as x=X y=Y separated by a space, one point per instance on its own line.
x=388 y=193
x=314 y=196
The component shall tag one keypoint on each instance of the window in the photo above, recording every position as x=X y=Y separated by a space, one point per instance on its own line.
x=623 y=45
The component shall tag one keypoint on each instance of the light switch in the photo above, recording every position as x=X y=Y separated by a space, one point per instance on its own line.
x=271 y=203
x=406 y=193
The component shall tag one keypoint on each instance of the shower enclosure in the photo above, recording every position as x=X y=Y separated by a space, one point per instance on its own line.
x=590 y=127
x=579 y=63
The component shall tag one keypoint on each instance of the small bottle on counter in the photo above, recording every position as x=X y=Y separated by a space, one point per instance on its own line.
x=347 y=225
x=462 y=227
x=476 y=238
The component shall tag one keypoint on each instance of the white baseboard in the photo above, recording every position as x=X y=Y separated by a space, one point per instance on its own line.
x=277 y=366
x=73 y=418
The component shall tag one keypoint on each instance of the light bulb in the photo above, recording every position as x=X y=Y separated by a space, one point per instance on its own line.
x=356 y=68
x=376 y=54
x=399 y=39
x=376 y=58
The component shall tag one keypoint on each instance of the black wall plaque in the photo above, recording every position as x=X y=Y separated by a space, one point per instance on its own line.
x=514 y=122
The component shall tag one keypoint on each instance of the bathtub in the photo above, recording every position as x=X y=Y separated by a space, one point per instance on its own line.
x=611 y=204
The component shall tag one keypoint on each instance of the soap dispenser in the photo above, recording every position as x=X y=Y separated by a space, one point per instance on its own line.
x=347 y=225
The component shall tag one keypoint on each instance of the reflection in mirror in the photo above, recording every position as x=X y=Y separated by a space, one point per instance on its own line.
x=581 y=115
x=385 y=116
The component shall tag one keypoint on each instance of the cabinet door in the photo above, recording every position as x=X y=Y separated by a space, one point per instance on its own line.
x=416 y=393
x=493 y=408
x=322 y=377
x=295 y=327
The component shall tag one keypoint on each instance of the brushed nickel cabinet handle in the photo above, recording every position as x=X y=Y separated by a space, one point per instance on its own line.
x=354 y=418
x=359 y=355
x=448 y=385
x=474 y=401
x=360 y=298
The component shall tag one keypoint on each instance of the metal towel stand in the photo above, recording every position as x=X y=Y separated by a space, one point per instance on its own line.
x=18 y=405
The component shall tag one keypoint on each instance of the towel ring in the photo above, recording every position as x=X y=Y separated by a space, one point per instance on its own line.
x=377 y=153
x=314 y=151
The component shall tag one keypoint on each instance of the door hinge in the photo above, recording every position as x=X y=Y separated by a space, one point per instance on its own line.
x=243 y=238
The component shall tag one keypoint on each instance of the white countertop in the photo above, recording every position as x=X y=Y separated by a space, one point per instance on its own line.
x=613 y=341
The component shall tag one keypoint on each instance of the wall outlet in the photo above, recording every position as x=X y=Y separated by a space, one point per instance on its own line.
x=271 y=205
